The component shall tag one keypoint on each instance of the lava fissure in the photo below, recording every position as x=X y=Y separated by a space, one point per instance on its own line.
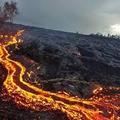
x=98 y=107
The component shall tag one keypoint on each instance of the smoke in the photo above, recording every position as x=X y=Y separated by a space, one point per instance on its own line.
x=84 y=16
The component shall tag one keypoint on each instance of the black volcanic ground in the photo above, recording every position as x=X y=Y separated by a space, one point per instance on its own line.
x=71 y=62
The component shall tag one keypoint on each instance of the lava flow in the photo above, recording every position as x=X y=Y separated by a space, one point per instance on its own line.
x=98 y=107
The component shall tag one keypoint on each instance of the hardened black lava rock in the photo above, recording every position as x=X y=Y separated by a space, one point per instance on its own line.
x=62 y=61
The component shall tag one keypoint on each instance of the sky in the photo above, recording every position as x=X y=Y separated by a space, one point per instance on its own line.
x=83 y=16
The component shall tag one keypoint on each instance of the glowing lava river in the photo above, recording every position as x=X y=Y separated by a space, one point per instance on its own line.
x=98 y=107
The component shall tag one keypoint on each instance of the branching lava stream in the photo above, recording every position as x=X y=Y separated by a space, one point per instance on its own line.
x=98 y=107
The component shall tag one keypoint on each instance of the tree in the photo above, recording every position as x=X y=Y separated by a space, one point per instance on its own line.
x=8 y=11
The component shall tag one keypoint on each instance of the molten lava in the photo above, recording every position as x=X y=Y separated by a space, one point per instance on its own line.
x=98 y=107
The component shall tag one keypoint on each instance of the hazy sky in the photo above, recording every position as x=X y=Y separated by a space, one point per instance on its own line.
x=84 y=16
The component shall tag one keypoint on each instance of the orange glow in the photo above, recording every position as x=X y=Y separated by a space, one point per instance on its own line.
x=98 y=107
x=97 y=90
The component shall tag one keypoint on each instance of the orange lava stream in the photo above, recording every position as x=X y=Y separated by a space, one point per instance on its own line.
x=99 y=107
